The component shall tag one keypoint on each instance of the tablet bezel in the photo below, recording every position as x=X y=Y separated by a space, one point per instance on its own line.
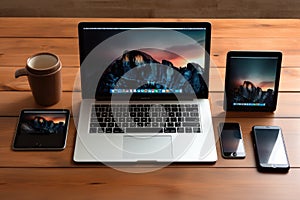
x=37 y=143
x=227 y=103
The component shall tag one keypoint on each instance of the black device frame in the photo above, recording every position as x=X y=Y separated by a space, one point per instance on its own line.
x=281 y=168
x=42 y=141
x=166 y=25
x=249 y=54
x=238 y=127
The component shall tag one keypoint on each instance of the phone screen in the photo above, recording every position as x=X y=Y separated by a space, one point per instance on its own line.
x=270 y=147
x=231 y=140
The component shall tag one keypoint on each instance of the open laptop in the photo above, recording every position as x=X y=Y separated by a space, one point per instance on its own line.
x=144 y=93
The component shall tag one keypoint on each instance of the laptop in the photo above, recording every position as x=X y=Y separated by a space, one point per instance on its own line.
x=144 y=88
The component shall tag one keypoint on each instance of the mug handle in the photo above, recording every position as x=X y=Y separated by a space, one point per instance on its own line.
x=21 y=72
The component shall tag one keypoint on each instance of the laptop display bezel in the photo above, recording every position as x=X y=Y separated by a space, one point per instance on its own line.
x=166 y=25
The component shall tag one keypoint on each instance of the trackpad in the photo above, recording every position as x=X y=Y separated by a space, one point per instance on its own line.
x=147 y=147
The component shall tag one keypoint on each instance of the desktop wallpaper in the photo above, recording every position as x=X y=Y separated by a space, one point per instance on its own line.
x=143 y=61
x=42 y=124
x=152 y=70
x=251 y=81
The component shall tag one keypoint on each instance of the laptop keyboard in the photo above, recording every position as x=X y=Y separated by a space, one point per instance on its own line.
x=145 y=118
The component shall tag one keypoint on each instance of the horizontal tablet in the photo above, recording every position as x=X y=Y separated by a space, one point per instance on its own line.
x=251 y=80
x=42 y=130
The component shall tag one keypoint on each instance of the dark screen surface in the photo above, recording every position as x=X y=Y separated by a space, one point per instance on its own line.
x=144 y=59
x=252 y=80
x=231 y=140
x=41 y=129
x=270 y=146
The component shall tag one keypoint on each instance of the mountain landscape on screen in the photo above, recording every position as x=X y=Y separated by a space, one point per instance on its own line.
x=249 y=93
x=138 y=70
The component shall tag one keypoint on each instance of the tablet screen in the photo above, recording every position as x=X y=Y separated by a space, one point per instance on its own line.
x=252 y=81
x=41 y=129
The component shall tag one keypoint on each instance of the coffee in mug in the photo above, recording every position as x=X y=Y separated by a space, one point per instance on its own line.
x=43 y=71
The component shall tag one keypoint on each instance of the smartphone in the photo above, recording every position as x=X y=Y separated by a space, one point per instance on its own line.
x=231 y=140
x=271 y=154
x=42 y=130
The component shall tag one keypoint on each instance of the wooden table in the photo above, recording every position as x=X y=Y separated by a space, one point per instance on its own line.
x=49 y=175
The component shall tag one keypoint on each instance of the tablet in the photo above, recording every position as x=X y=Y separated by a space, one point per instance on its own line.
x=42 y=130
x=251 y=80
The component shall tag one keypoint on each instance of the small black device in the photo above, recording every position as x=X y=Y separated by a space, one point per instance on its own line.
x=252 y=80
x=231 y=140
x=270 y=149
x=42 y=130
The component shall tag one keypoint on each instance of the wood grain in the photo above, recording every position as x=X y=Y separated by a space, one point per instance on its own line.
x=154 y=8
x=45 y=174
x=186 y=183
x=290 y=128
x=68 y=48
x=234 y=34
x=67 y=27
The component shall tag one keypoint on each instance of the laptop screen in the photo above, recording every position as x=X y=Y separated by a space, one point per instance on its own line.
x=153 y=60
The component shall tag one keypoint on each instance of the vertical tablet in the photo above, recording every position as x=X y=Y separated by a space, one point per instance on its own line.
x=41 y=130
x=251 y=81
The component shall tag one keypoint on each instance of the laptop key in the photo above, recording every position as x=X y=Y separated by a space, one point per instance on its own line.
x=118 y=130
x=102 y=125
x=108 y=130
x=177 y=124
x=140 y=124
x=132 y=124
x=121 y=119
x=94 y=125
x=144 y=119
x=125 y=124
x=193 y=109
x=180 y=130
x=111 y=124
x=190 y=124
x=197 y=130
x=100 y=130
x=155 y=124
x=188 y=130
x=95 y=120
x=169 y=130
x=93 y=130
x=192 y=119
x=108 y=119
x=144 y=130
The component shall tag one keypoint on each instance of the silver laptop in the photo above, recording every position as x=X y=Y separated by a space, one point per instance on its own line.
x=144 y=89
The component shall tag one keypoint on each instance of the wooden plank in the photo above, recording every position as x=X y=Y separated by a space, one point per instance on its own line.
x=29 y=46
x=10 y=83
x=45 y=27
x=156 y=8
x=220 y=47
x=290 y=79
x=11 y=103
x=186 y=183
x=290 y=128
x=67 y=49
